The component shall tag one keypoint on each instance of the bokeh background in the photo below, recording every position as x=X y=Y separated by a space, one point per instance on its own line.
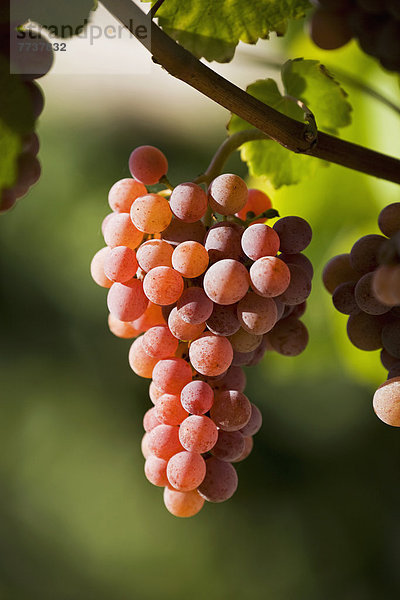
x=316 y=514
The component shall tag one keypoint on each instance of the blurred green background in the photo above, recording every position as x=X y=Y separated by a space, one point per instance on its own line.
x=316 y=514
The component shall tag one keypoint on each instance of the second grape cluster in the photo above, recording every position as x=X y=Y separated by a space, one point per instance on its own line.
x=205 y=288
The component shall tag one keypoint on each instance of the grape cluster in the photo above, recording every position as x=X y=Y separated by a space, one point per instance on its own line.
x=365 y=285
x=374 y=23
x=203 y=298
x=24 y=57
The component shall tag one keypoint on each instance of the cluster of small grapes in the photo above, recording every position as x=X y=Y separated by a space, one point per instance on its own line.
x=374 y=23
x=22 y=60
x=179 y=283
x=365 y=285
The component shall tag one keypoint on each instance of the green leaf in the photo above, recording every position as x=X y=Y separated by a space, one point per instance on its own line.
x=310 y=82
x=212 y=30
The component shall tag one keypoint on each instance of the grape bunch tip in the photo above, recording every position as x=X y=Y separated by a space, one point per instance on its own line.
x=200 y=301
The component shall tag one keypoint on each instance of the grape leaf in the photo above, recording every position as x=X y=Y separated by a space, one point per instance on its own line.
x=212 y=30
x=305 y=80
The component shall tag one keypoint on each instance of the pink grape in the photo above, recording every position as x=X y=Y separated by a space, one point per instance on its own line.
x=144 y=446
x=141 y=363
x=164 y=441
x=155 y=470
x=159 y=342
x=181 y=329
x=198 y=433
x=154 y=253
x=211 y=354
x=154 y=393
x=150 y=420
x=123 y=193
x=127 y=301
x=260 y=240
x=248 y=447
x=386 y=402
x=171 y=375
x=223 y=320
x=220 y=481
x=299 y=287
x=257 y=315
x=148 y=164
x=188 y=202
x=230 y=445
x=194 y=306
x=269 y=276
x=227 y=194
x=169 y=410
x=190 y=259
x=183 y=504
x=151 y=213
x=186 y=471
x=120 y=264
x=234 y=379
x=120 y=231
x=197 y=397
x=122 y=329
x=223 y=240
x=97 y=268
x=226 y=281
x=231 y=410
x=151 y=317
x=163 y=285
x=255 y=422
x=257 y=203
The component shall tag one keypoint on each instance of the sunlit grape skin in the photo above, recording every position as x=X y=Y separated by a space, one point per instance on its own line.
x=211 y=354
x=226 y=281
x=231 y=410
x=127 y=301
x=186 y=471
x=156 y=470
x=148 y=164
x=197 y=397
x=151 y=213
x=198 y=433
x=183 y=504
x=188 y=202
x=163 y=285
x=227 y=194
x=97 y=268
x=386 y=402
x=123 y=193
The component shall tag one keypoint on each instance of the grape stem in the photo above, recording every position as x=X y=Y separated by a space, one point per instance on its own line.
x=288 y=132
x=154 y=8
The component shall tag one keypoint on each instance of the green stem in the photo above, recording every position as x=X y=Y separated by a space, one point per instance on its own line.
x=230 y=145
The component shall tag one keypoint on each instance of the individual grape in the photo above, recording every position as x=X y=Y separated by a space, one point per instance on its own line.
x=300 y=260
x=178 y=231
x=151 y=317
x=344 y=300
x=144 y=446
x=186 y=471
x=159 y=342
x=365 y=296
x=329 y=29
x=194 y=306
x=197 y=397
x=155 y=470
x=97 y=268
x=190 y=259
x=164 y=441
x=169 y=410
x=121 y=329
x=120 y=264
x=289 y=337
x=211 y=354
x=120 y=231
x=154 y=393
x=243 y=341
x=387 y=360
x=257 y=315
x=198 y=433
x=227 y=194
x=386 y=284
x=106 y=220
x=140 y=362
x=163 y=285
x=260 y=351
x=36 y=98
x=150 y=420
x=171 y=375
x=386 y=402
x=364 y=331
x=298 y=310
x=269 y=276
x=254 y=424
x=338 y=270
x=181 y=329
x=183 y=504
x=154 y=253
x=364 y=255
x=151 y=213
x=123 y=193
x=223 y=320
x=230 y=445
x=394 y=371
x=280 y=308
x=226 y=281
x=220 y=481
x=231 y=410
x=257 y=203
x=234 y=379
x=294 y=233
x=127 y=301
x=223 y=240
x=391 y=338
x=25 y=59
x=389 y=219
x=299 y=287
x=188 y=202
x=248 y=447
x=260 y=240
x=242 y=358
x=148 y=164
